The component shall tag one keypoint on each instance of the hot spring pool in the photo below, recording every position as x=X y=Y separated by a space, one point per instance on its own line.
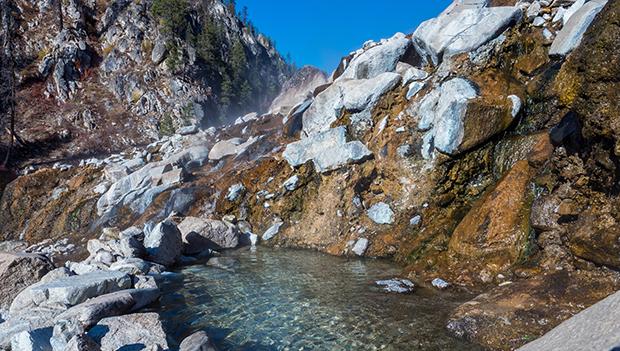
x=270 y=299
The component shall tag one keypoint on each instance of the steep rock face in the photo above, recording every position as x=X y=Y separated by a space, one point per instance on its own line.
x=123 y=72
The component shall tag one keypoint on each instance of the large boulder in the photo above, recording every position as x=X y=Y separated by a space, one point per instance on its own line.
x=508 y=316
x=572 y=33
x=164 y=244
x=595 y=328
x=356 y=95
x=18 y=271
x=297 y=89
x=32 y=340
x=202 y=234
x=462 y=29
x=493 y=234
x=77 y=319
x=137 y=331
x=457 y=119
x=377 y=59
x=328 y=150
x=69 y=291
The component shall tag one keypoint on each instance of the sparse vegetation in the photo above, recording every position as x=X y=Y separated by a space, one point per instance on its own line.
x=172 y=15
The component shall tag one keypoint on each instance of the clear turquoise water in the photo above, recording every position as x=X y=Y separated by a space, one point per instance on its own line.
x=272 y=299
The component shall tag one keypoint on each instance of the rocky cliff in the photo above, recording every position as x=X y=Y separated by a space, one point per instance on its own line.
x=480 y=149
x=99 y=76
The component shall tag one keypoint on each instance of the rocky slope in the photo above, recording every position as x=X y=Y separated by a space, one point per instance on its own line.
x=480 y=149
x=106 y=75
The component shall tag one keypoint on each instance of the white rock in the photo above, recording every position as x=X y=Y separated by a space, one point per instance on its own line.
x=568 y=13
x=360 y=96
x=360 y=246
x=381 y=213
x=571 y=35
x=235 y=191
x=377 y=59
x=533 y=10
x=538 y=22
x=415 y=220
x=291 y=183
x=462 y=30
x=328 y=150
x=200 y=235
x=414 y=89
x=516 y=105
x=442 y=112
x=440 y=283
x=273 y=230
x=234 y=146
x=396 y=285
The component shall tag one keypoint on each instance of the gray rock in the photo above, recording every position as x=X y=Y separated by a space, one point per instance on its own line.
x=70 y=291
x=82 y=342
x=138 y=331
x=459 y=30
x=140 y=188
x=198 y=341
x=328 y=150
x=381 y=213
x=291 y=183
x=234 y=146
x=187 y=130
x=35 y=340
x=30 y=321
x=56 y=274
x=235 y=191
x=164 y=243
x=358 y=95
x=572 y=33
x=533 y=10
x=117 y=303
x=18 y=271
x=595 y=328
x=538 y=22
x=132 y=266
x=200 y=235
x=396 y=285
x=414 y=89
x=377 y=59
x=360 y=246
x=404 y=150
x=273 y=230
x=159 y=51
x=13 y=246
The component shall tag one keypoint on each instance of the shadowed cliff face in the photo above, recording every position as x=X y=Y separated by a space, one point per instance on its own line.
x=484 y=162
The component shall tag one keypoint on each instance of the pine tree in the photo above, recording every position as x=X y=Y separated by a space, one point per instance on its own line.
x=172 y=15
x=227 y=94
x=232 y=6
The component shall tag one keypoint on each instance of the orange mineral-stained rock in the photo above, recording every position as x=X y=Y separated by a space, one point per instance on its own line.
x=494 y=232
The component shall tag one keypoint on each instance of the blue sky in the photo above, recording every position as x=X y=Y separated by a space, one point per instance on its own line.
x=320 y=32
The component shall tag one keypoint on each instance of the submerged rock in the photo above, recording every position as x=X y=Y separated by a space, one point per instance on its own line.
x=199 y=341
x=396 y=285
x=328 y=150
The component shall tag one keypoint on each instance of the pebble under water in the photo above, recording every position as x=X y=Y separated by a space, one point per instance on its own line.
x=271 y=299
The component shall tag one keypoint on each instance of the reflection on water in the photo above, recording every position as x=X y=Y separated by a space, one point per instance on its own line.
x=268 y=299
